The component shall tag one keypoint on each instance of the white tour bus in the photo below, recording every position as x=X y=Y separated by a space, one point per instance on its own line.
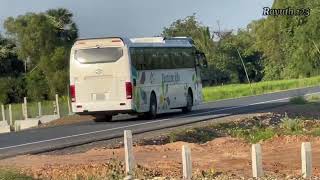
x=144 y=76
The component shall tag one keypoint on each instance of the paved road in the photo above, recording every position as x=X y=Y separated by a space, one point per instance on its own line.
x=46 y=139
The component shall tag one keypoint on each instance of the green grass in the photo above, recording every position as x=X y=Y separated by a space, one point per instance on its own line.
x=298 y=100
x=240 y=90
x=8 y=174
x=313 y=98
x=291 y=126
x=252 y=130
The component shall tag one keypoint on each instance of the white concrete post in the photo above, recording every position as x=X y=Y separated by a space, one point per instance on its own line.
x=57 y=105
x=3 y=113
x=22 y=107
x=128 y=150
x=39 y=109
x=25 y=108
x=69 y=107
x=306 y=160
x=257 y=170
x=10 y=115
x=186 y=162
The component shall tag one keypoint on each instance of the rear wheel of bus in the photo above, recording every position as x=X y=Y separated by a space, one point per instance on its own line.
x=102 y=118
x=188 y=108
x=152 y=114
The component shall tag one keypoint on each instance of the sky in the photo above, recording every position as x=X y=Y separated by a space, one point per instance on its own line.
x=141 y=18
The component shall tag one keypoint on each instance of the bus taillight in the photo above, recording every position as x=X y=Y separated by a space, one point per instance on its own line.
x=73 y=93
x=129 y=90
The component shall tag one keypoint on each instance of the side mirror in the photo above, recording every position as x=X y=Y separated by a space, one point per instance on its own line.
x=201 y=60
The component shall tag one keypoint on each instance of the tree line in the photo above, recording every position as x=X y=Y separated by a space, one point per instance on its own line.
x=34 y=53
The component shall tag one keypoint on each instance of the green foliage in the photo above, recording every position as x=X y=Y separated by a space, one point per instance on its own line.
x=11 y=90
x=298 y=100
x=253 y=135
x=291 y=126
x=273 y=48
x=224 y=61
x=314 y=98
x=37 y=87
x=288 y=47
x=315 y=132
x=10 y=65
x=44 y=42
x=240 y=90
x=8 y=174
x=251 y=130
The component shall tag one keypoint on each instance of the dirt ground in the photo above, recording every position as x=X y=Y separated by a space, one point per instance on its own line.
x=281 y=156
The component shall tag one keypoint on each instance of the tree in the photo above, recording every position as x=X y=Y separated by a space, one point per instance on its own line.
x=287 y=41
x=11 y=68
x=10 y=65
x=45 y=39
x=190 y=27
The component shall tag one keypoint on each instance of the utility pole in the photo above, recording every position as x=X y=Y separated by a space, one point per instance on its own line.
x=245 y=69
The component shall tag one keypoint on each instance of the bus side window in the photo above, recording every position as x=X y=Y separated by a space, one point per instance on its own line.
x=166 y=58
x=133 y=56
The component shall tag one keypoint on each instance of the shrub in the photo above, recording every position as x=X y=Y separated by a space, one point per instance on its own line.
x=291 y=126
x=298 y=100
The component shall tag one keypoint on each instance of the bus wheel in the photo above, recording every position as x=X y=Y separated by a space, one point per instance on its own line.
x=152 y=114
x=188 y=108
x=103 y=118
x=108 y=117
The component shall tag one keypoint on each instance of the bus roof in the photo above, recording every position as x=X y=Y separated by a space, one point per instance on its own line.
x=152 y=41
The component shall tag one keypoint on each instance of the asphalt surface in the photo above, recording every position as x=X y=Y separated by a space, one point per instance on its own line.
x=53 y=138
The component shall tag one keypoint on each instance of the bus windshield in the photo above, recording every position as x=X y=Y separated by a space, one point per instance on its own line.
x=99 y=55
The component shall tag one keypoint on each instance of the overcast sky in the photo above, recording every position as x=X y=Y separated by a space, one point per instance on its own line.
x=138 y=18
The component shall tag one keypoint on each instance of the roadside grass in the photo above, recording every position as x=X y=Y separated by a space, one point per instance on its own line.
x=298 y=100
x=254 y=129
x=240 y=90
x=313 y=98
x=9 y=174
x=33 y=111
x=292 y=126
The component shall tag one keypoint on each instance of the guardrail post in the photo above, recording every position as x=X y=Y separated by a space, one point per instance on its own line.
x=39 y=109
x=10 y=115
x=3 y=113
x=257 y=170
x=25 y=108
x=57 y=105
x=306 y=160
x=128 y=150
x=186 y=162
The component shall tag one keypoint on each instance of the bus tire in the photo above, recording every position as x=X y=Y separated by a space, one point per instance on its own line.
x=188 y=108
x=152 y=114
x=108 y=118
x=103 y=118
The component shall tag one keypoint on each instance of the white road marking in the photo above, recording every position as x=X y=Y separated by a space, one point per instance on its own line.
x=151 y=122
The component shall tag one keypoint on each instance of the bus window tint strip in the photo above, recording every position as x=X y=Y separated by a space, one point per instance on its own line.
x=162 y=58
x=99 y=55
